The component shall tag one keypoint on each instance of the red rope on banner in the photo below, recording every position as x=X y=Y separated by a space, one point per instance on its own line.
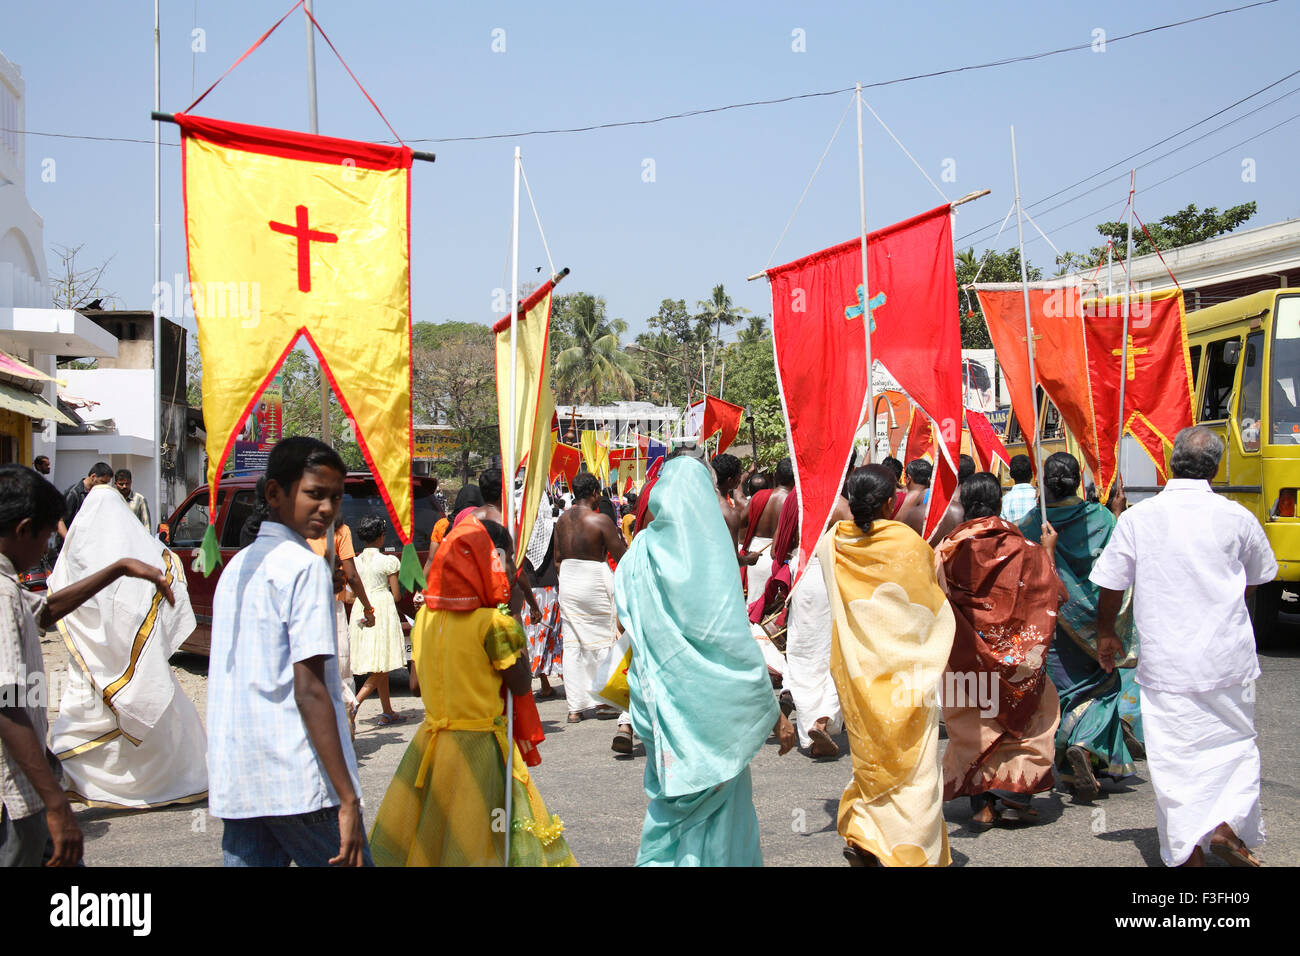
x=354 y=77
x=260 y=41
x=1152 y=240
x=1111 y=245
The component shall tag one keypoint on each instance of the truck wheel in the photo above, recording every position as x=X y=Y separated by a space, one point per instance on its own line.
x=1264 y=605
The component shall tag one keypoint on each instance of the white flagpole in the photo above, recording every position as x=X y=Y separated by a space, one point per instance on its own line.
x=866 y=289
x=1029 y=327
x=508 y=481
x=313 y=126
x=160 y=511
x=1123 y=343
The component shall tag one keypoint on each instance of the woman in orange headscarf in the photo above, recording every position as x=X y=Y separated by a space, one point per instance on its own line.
x=440 y=807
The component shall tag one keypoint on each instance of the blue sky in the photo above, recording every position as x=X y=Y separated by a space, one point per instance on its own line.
x=724 y=184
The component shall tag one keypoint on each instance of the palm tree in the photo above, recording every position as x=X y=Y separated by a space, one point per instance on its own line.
x=595 y=362
x=755 y=331
x=718 y=310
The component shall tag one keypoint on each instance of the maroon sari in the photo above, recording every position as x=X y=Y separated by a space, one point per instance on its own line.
x=1000 y=708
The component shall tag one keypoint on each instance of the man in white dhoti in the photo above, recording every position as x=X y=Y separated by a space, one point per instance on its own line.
x=126 y=734
x=1191 y=558
x=808 y=664
x=584 y=541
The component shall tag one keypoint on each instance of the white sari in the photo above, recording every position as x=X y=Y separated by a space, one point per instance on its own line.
x=126 y=733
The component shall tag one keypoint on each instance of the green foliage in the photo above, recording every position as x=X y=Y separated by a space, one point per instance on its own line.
x=591 y=365
x=991 y=266
x=751 y=382
x=301 y=408
x=453 y=382
x=1181 y=228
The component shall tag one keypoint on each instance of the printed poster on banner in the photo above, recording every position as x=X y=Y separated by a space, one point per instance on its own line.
x=261 y=429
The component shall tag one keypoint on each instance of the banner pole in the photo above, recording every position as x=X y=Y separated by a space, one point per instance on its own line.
x=508 y=479
x=866 y=289
x=1029 y=328
x=313 y=126
x=161 y=512
x=1123 y=342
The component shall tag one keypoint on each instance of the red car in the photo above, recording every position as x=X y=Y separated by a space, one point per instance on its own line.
x=235 y=504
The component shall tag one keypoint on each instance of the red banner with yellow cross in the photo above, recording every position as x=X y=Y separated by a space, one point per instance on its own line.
x=1157 y=376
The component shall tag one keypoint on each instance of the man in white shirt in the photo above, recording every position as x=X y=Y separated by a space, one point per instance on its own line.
x=1191 y=558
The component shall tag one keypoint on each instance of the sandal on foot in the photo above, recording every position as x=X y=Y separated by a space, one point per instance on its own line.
x=606 y=712
x=857 y=857
x=1136 y=748
x=1233 y=852
x=1024 y=810
x=1086 y=787
x=622 y=740
x=822 y=744
x=386 y=720
x=575 y=717
x=983 y=801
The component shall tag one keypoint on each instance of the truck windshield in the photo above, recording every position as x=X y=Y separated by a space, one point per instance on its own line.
x=1284 y=372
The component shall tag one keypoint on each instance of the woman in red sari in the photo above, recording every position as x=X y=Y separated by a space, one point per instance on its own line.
x=999 y=707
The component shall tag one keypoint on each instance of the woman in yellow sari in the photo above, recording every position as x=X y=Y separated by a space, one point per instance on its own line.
x=449 y=789
x=892 y=631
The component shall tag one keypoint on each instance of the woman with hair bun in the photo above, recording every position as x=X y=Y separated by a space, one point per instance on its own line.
x=1101 y=722
x=1000 y=709
x=892 y=631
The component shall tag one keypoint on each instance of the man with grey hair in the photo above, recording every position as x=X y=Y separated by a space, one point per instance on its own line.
x=1192 y=557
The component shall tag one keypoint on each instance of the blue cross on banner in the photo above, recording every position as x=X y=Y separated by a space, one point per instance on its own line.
x=855 y=311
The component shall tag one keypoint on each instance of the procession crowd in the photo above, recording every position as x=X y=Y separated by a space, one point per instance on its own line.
x=1052 y=639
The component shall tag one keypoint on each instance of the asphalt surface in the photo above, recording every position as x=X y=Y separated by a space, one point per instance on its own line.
x=599 y=794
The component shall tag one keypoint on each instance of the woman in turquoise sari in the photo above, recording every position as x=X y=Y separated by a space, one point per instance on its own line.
x=701 y=699
x=1101 y=727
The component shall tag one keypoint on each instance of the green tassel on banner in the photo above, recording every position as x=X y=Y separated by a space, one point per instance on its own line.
x=208 y=556
x=411 y=574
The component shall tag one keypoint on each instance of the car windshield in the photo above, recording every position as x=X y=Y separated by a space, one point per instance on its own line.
x=1284 y=372
x=362 y=499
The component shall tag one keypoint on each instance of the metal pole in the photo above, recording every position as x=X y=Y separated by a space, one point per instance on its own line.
x=866 y=289
x=1029 y=327
x=1110 y=280
x=325 y=436
x=508 y=481
x=1123 y=344
x=313 y=126
x=157 y=270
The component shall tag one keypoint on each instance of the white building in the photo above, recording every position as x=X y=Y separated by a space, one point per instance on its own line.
x=30 y=329
x=123 y=429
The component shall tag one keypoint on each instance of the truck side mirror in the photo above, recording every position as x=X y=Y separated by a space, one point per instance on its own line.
x=1232 y=352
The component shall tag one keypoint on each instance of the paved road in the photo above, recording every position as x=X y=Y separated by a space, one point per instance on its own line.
x=600 y=799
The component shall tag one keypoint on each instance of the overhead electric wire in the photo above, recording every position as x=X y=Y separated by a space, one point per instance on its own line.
x=1161 y=182
x=991 y=64
x=1005 y=61
x=1114 y=179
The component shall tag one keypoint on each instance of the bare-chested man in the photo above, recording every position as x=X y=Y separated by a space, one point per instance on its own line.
x=761 y=529
x=956 y=513
x=735 y=512
x=584 y=540
x=912 y=511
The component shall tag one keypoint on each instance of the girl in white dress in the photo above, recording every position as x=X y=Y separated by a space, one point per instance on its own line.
x=378 y=649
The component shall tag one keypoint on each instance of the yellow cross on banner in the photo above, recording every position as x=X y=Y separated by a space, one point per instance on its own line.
x=1133 y=353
